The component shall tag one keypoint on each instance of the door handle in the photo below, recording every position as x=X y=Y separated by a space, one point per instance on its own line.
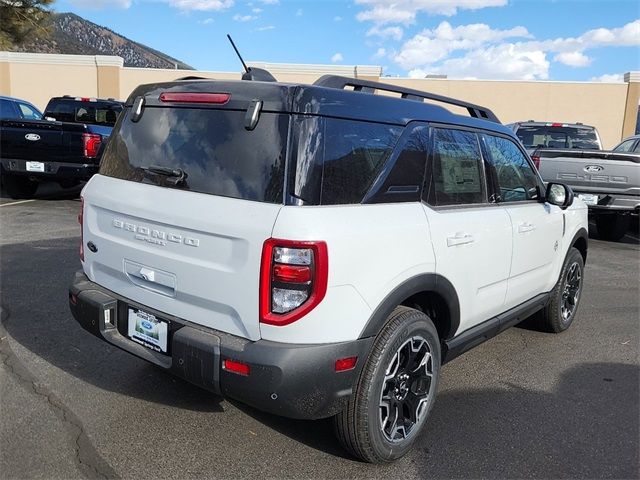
x=460 y=238
x=526 y=227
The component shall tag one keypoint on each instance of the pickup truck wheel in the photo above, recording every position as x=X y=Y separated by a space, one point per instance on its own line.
x=396 y=390
x=559 y=313
x=19 y=187
x=612 y=227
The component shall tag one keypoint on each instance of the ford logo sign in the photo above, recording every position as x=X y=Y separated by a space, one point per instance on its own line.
x=146 y=325
x=593 y=168
x=32 y=137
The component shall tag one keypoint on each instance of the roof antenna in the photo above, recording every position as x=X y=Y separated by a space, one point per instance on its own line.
x=252 y=73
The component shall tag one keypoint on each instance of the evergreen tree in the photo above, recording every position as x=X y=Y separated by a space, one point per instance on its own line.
x=19 y=18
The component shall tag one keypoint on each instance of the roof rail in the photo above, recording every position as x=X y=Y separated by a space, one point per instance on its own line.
x=367 y=86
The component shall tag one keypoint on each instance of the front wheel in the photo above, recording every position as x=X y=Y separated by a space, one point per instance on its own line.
x=559 y=313
x=396 y=390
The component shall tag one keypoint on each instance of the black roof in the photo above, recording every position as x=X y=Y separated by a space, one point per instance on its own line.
x=330 y=101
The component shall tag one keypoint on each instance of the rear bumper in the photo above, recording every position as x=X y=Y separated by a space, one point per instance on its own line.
x=52 y=170
x=296 y=381
x=614 y=203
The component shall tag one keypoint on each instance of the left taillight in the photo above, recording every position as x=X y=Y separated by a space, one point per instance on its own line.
x=536 y=161
x=293 y=279
x=91 y=142
x=81 y=222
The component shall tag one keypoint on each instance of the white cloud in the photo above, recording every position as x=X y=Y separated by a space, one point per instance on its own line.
x=337 y=18
x=480 y=51
x=265 y=28
x=270 y=2
x=102 y=4
x=609 y=77
x=299 y=12
x=430 y=46
x=202 y=5
x=573 y=59
x=386 y=32
x=337 y=57
x=243 y=18
x=256 y=10
x=380 y=53
x=405 y=11
x=206 y=21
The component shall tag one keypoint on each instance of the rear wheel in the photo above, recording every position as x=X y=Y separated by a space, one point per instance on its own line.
x=559 y=313
x=396 y=390
x=612 y=226
x=19 y=187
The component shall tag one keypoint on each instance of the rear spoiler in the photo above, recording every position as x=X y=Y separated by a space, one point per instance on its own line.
x=585 y=154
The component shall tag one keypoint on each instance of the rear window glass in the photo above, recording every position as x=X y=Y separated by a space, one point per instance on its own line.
x=97 y=115
x=212 y=147
x=558 y=137
x=337 y=161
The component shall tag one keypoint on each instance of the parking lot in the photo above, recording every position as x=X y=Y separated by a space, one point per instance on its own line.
x=525 y=404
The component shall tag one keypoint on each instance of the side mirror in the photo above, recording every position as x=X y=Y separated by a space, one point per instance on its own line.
x=559 y=194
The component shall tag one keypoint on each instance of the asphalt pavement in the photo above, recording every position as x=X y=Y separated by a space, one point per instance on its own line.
x=523 y=405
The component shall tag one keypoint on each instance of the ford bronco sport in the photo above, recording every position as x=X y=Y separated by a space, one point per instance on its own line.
x=320 y=250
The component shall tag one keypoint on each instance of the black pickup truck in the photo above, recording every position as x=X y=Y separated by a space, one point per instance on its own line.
x=63 y=145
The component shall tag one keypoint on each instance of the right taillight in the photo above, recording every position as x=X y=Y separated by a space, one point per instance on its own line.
x=81 y=222
x=536 y=161
x=91 y=143
x=293 y=279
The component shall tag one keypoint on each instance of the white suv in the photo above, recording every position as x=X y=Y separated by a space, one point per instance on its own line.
x=319 y=250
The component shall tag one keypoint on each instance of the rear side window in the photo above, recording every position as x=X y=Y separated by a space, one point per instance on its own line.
x=583 y=138
x=456 y=171
x=625 y=146
x=28 y=112
x=7 y=109
x=212 y=147
x=337 y=161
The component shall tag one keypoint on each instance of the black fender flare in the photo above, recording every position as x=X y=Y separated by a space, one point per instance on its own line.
x=584 y=234
x=427 y=282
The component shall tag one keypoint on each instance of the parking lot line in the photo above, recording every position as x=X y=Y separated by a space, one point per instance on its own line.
x=16 y=203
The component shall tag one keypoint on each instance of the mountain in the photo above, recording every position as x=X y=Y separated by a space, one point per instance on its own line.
x=69 y=33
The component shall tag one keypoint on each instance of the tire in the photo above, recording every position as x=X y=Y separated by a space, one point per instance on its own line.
x=561 y=310
x=389 y=382
x=612 y=227
x=19 y=187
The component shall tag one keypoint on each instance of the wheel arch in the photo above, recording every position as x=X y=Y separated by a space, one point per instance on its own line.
x=581 y=242
x=431 y=293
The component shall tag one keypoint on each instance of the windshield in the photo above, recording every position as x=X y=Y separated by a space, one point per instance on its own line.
x=583 y=138
x=211 y=147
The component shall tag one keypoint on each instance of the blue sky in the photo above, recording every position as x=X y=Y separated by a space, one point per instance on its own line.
x=496 y=39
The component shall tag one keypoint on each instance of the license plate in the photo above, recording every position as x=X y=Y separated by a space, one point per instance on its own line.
x=35 y=167
x=589 y=199
x=147 y=330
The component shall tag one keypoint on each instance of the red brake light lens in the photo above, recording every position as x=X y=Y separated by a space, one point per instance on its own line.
x=195 y=97
x=536 y=161
x=293 y=279
x=236 y=367
x=92 y=143
x=344 y=364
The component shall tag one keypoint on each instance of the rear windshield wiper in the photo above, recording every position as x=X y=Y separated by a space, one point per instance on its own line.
x=175 y=176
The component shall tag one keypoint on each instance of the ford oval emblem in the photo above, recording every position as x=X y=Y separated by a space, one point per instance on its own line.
x=146 y=325
x=593 y=168
x=32 y=137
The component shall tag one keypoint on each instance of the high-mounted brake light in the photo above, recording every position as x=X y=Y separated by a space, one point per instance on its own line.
x=536 y=161
x=195 y=97
x=293 y=279
x=91 y=143
x=81 y=222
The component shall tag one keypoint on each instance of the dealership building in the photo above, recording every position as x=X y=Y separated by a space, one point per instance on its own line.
x=611 y=107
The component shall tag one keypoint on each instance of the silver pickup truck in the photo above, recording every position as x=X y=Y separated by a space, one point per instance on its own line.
x=607 y=181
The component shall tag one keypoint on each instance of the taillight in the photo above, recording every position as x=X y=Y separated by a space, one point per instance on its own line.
x=293 y=279
x=81 y=222
x=91 y=143
x=536 y=161
x=195 y=97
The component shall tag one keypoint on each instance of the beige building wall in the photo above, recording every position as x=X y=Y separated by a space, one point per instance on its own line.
x=610 y=107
